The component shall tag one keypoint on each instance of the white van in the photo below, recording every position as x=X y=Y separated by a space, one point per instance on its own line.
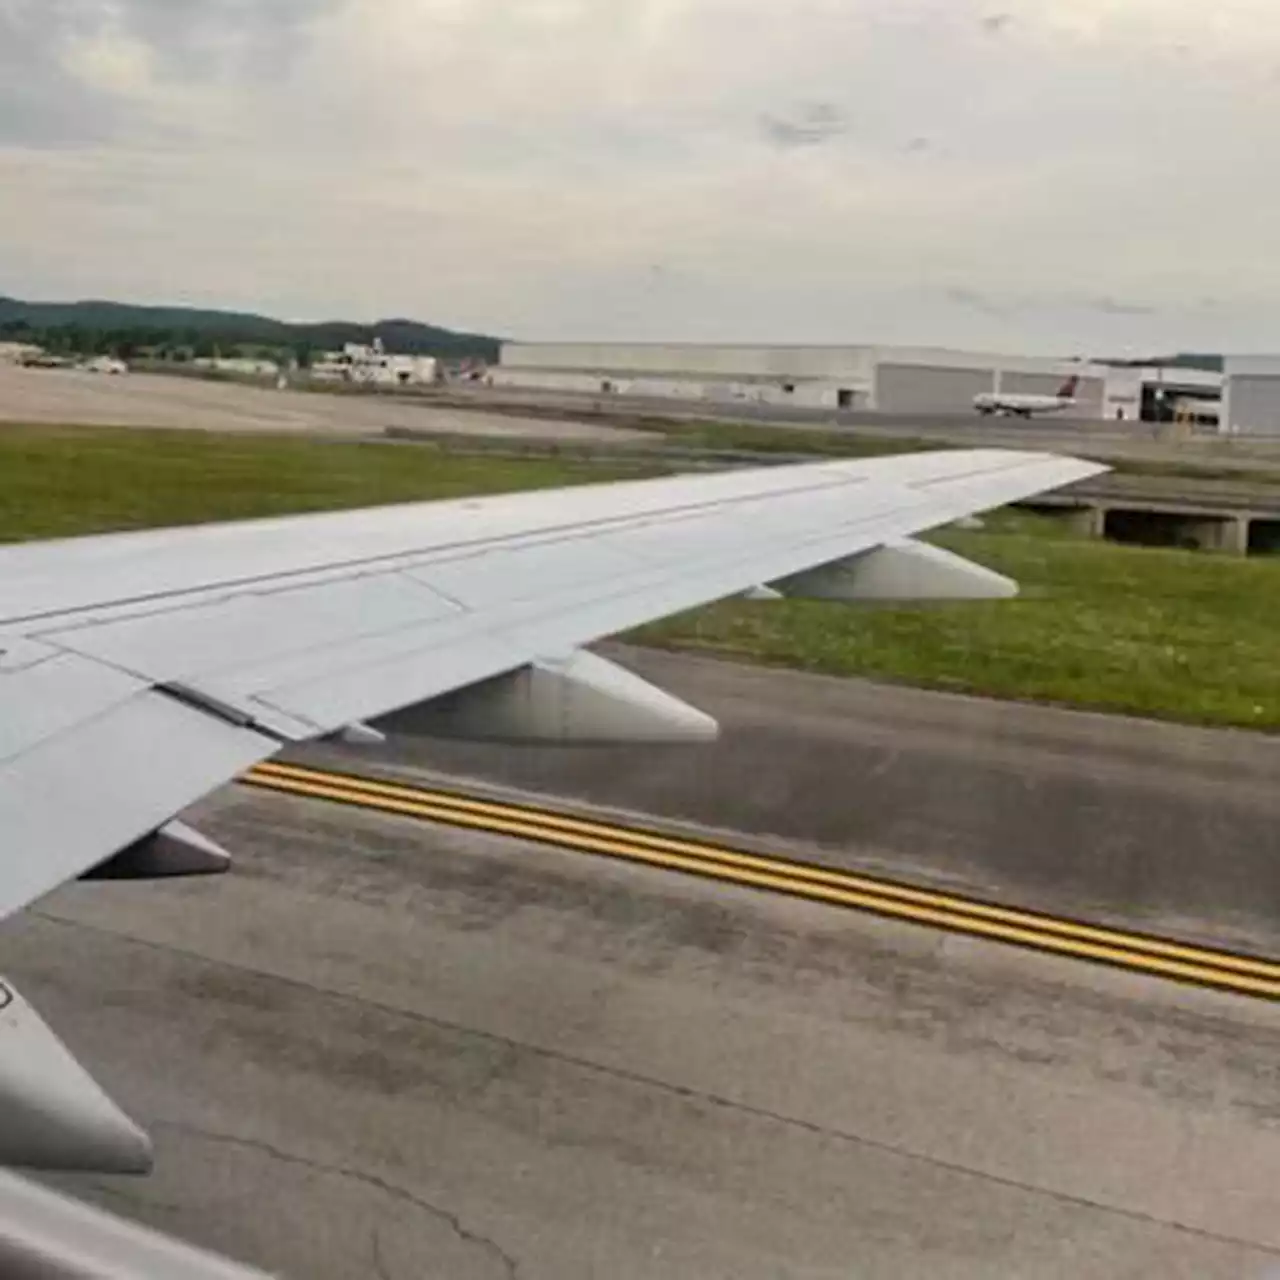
x=105 y=364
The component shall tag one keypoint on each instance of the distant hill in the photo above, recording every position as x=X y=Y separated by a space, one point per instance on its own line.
x=94 y=325
x=1191 y=360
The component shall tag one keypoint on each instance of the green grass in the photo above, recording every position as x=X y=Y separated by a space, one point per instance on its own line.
x=66 y=481
x=1168 y=634
x=748 y=438
x=1179 y=635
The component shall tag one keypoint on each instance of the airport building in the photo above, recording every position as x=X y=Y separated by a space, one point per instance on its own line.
x=906 y=380
x=1251 y=395
x=371 y=365
x=243 y=365
x=17 y=352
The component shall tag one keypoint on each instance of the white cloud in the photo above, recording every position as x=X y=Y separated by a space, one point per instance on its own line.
x=1228 y=26
x=840 y=169
x=110 y=62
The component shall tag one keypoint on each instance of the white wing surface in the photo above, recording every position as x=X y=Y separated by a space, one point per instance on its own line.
x=140 y=671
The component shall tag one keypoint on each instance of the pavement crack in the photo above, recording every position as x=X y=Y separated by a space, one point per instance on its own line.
x=686 y=1092
x=379 y=1262
x=510 y=1266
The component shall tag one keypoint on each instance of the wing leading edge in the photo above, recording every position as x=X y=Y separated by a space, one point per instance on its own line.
x=138 y=672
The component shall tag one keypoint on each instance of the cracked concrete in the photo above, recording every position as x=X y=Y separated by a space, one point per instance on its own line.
x=381 y=1049
x=379 y=1262
x=513 y=1050
x=455 y=1224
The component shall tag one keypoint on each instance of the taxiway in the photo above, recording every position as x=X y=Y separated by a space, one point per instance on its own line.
x=387 y=1049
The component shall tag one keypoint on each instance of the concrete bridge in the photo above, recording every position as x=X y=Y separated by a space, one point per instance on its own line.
x=1227 y=516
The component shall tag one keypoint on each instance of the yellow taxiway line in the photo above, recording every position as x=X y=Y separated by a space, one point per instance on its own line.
x=1159 y=957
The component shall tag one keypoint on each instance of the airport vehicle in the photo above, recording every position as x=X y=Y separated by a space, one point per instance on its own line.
x=1015 y=405
x=140 y=671
x=105 y=364
x=46 y=360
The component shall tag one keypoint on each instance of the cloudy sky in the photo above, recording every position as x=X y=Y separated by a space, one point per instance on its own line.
x=1047 y=175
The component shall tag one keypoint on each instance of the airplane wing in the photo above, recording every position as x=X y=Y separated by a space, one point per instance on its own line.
x=45 y=1235
x=140 y=671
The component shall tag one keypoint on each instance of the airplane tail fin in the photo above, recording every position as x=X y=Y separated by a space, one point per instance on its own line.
x=1068 y=388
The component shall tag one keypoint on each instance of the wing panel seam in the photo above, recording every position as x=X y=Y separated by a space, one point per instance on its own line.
x=198 y=700
x=552 y=532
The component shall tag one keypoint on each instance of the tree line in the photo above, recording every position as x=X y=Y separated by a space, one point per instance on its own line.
x=176 y=333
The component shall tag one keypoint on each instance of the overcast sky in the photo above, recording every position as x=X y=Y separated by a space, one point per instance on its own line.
x=1042 y=175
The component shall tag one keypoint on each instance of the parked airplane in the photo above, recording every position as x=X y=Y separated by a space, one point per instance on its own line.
x=161 y=664
x=1012 y=404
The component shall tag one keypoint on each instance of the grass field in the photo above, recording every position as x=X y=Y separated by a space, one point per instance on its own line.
x=1181 y=635
x=60 y=482
x=850 y=443
x=1169 y=634
x=749 y=438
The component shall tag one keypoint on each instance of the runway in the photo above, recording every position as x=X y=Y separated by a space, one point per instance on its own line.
x=61 y=396
x=385 y=1048
x=173 y=401
x=1058 y=434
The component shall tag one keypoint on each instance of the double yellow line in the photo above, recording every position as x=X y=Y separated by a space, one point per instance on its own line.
x=1159 y=957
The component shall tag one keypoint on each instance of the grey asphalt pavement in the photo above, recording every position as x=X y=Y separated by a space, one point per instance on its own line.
x=153 y=400
x=1151 y=826
x=380 y=1049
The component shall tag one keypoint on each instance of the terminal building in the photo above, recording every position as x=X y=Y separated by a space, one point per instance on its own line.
x=372 y=366
x=878 y=379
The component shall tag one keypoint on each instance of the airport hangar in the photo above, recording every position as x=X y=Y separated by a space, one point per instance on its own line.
x=1251 y=395
x=879 y=379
